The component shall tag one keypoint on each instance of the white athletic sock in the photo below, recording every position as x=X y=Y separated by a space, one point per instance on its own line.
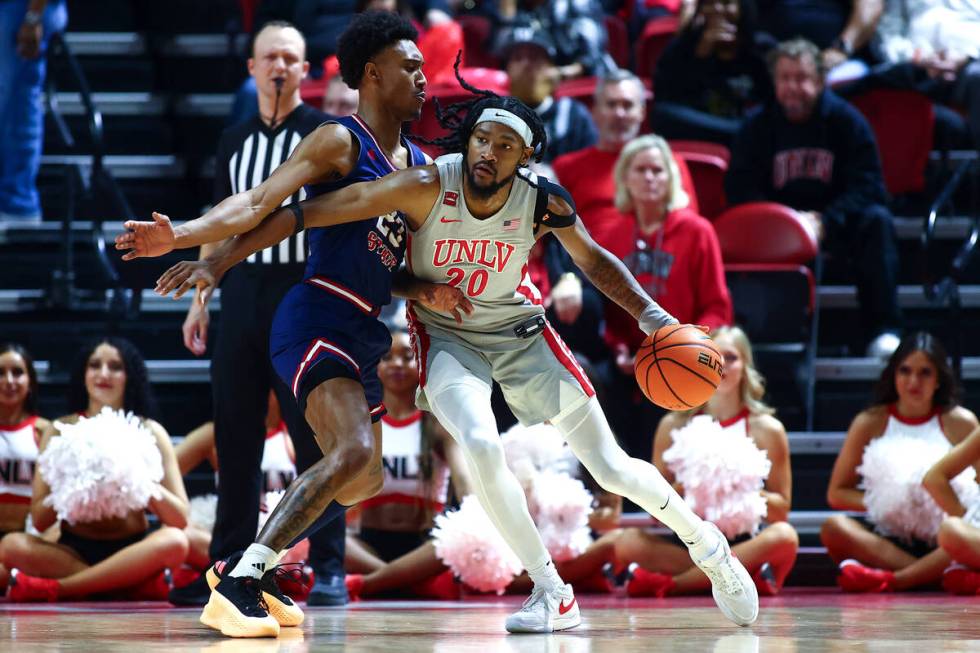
x=588 y=434
x=546 y=577
x=256 y=559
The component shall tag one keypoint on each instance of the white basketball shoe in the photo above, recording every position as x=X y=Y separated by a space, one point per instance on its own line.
x=546 y=612
x=731 y=585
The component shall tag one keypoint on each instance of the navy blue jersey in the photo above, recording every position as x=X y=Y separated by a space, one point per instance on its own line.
x=361 y=255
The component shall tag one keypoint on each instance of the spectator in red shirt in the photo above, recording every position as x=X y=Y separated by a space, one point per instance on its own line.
x=671 y=250
x=575 y=308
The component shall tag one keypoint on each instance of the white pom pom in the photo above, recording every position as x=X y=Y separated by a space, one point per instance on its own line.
x=972 y=516
x=101 y=467
x=268 y=504
x=467 y=542
x=561 y=506
x=892 y=469
x=203 y=510
x=537 y=447
x=722 y=473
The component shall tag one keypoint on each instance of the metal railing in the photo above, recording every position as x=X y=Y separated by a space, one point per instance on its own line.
x=941 y=288
x=94 y=180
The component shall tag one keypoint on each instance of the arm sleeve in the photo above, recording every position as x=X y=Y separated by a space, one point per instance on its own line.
x=860 y=169
x=751 y=163
x=547 y=188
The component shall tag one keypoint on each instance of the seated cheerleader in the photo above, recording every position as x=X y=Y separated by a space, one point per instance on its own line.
x=20 y=434
x=914 y=413
x=959 y=533
x=393 y=553
x=107 y=555
x=664 y=567
x=278 y=471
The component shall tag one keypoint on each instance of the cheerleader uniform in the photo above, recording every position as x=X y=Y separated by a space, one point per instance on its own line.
x=401 y=452
x=927 y=429
x=18 y=460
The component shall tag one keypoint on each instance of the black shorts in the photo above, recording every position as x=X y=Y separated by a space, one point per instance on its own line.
x=390 y=545
x=95 y=551
x=917 y=548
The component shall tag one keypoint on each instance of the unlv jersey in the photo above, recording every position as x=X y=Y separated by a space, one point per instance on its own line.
x=486 y=259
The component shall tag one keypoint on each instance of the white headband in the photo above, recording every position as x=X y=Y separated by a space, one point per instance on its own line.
x=505 y=117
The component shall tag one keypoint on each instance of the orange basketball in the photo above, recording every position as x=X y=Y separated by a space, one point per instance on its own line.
x=678 y=367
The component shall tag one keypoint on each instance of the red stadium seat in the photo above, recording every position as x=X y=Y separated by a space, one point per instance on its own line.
x=619 y=41
x=476 y=41
x=708 y=163
x=766 y=247
x=656 y=35
x=764 y=232
x=902 y=122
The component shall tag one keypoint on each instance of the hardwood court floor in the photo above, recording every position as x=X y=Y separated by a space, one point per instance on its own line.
x=799 y=621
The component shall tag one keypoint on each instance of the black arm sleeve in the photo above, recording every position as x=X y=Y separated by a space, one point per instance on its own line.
x=542 y=216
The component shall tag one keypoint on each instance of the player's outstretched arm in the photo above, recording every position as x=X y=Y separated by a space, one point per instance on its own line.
x=322 y=152
x=206 y=274
x=411 y=191
x=607 y=273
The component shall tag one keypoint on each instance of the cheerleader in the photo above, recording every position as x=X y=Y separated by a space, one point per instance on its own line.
x=391 y=551
x=110 y=554
x=914 y=405
x=663 y=566
x=20 y=434
x=959 y=533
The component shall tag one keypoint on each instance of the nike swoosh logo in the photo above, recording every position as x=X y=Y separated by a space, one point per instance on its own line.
x=445 y=221
x=665 y=503
x=562 y=608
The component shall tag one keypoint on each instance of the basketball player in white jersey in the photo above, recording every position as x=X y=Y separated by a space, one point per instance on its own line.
x=473 y=217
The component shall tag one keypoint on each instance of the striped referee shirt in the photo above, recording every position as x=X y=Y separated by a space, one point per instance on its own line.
x=248 y=153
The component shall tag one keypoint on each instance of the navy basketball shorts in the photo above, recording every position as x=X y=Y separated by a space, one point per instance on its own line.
x=323 y=330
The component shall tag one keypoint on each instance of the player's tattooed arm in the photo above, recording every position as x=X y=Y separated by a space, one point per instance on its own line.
x=610 y=276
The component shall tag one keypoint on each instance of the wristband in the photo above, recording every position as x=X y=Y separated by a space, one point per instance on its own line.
x=653 y=317
x=298 y=215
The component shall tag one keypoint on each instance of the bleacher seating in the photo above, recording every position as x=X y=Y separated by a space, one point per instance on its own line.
x=163 y=75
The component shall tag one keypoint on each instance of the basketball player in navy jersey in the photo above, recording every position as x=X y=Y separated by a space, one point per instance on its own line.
x=474 y=216
x=325 y=340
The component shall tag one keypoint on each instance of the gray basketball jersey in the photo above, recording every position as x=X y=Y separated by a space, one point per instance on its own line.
x=486 y=259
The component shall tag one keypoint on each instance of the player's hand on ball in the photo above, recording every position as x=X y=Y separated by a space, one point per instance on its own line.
x=187 y=275
x=446 y=299
x=147 y=239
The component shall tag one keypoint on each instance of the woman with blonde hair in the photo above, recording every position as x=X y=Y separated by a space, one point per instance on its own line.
x=738 y=409
x=674 y=254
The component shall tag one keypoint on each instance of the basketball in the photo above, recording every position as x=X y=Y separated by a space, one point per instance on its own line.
x=678 y=367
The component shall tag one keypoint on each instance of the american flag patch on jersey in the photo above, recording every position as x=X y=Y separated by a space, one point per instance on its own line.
x=511 y=225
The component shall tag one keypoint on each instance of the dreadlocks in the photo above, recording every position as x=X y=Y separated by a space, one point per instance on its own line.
x=460 y=118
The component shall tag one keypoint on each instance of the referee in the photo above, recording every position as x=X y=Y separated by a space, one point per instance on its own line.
x=241 y=374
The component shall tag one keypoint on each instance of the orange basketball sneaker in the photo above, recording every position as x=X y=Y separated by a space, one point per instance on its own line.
x=278 y=604
x=855 y=577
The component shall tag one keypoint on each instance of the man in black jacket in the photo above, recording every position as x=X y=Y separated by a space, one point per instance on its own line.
x=813 y=151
